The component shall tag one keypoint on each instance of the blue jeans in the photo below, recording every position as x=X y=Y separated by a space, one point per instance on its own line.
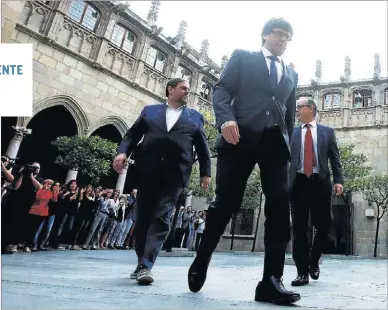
x=50 y=222
x=124 y=232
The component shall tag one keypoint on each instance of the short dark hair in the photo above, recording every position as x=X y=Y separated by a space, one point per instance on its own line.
x=311 y=103
x=173 y=83
x=273 y=23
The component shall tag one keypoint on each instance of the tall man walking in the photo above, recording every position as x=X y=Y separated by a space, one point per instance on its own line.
x=312 y=147
x=162 y=168
x=254 y=105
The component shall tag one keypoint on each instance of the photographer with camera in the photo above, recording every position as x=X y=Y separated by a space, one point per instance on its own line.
x=21 y=197
x=6 y=174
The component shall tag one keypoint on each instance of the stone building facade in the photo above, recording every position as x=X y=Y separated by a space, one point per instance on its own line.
x=102 y=63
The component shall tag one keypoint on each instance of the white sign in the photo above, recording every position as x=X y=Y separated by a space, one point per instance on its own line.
x=16 y=80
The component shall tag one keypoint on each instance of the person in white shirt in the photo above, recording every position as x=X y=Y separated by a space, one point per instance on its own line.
x=170 y=130
x=312 y=147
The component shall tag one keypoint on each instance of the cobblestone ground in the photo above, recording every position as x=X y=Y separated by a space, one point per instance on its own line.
x=100 y=280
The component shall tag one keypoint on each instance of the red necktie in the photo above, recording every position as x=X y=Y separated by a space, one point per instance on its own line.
x=309 y=158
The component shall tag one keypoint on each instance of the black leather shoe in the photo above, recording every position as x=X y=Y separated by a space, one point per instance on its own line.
x=300 y=280
x=273 y=291
x=197 y=273
x=314 y=272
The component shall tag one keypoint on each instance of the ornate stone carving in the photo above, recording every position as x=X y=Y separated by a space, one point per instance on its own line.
x=224 y=61
x=347 y=69
x=377 y=70
x=152 y=16
x=332 y=113
x=363 y=111
x=204 y=48
x=182 y=30
x=39 y=8
x=76 y=30
x=318 y=71
x=121 y=56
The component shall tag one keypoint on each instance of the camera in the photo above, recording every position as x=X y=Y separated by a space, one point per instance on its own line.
x=30 y=169
x=4 y=159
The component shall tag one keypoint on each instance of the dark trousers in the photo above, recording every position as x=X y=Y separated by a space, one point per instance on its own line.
x=233 y=169
x=155 y=203
x=32 y=224
x=310 y=195
x=81 y=224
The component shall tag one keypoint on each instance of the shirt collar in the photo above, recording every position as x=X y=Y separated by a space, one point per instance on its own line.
x=267 y=53
x=180 y=108
x=313 y=124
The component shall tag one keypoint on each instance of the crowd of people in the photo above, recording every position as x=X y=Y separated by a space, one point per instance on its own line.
x=40 y=215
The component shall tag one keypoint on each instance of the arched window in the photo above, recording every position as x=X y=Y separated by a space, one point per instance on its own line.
x=206 y=91
x=331 y=101
x=183 y=73
x=84 y=14
x=386 y=96
x=123 y=38
x=156 y=59
x=362 y=98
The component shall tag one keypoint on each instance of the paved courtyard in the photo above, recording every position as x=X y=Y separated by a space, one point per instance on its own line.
x=100 y=280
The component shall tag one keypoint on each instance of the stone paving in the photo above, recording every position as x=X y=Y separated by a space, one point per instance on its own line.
x=100 y=280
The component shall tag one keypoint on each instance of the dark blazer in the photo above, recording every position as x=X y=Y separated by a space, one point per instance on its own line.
x=244 y=94
x=174 y=148
x=327 y=150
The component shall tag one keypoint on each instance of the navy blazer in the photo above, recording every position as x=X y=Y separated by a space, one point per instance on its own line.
x=327 y=151
x=244 y=94
x=174 y=147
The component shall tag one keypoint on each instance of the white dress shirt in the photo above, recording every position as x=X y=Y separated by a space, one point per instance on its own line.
x=279 y=64
x=172 y=115
x=313 y=129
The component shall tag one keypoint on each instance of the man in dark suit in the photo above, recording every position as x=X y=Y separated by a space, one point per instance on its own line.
x=163 y=166
x=254 y=105
x=312 y=146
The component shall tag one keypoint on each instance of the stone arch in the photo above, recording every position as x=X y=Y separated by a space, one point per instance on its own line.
x=116 y=121
x=70 y=104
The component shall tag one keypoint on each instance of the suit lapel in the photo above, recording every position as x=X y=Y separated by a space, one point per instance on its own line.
x=260 y=66
x=163 y=116
x=320 y=140
x=284 y=75
x=297 y=143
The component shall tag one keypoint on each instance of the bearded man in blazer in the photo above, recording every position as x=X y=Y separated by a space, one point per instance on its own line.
x=169 y=131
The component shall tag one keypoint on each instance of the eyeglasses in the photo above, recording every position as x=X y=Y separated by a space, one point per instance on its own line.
x=282 y=34
x=301 y=106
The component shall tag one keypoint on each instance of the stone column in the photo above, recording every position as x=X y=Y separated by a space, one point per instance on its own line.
x=71 y=175
x=10 y=12
x=121 y=179
x=14 y=144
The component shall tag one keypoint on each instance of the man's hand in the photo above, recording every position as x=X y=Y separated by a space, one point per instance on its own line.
x=205 y=181
x=230 y=132
x=338 y=189
x=120 y=162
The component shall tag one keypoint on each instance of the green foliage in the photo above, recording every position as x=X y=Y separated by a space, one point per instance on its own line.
x=375 y=190
x=253 y=191
x=211 y=133
x=354 y=168
x=90 y=156
x=194 y=187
